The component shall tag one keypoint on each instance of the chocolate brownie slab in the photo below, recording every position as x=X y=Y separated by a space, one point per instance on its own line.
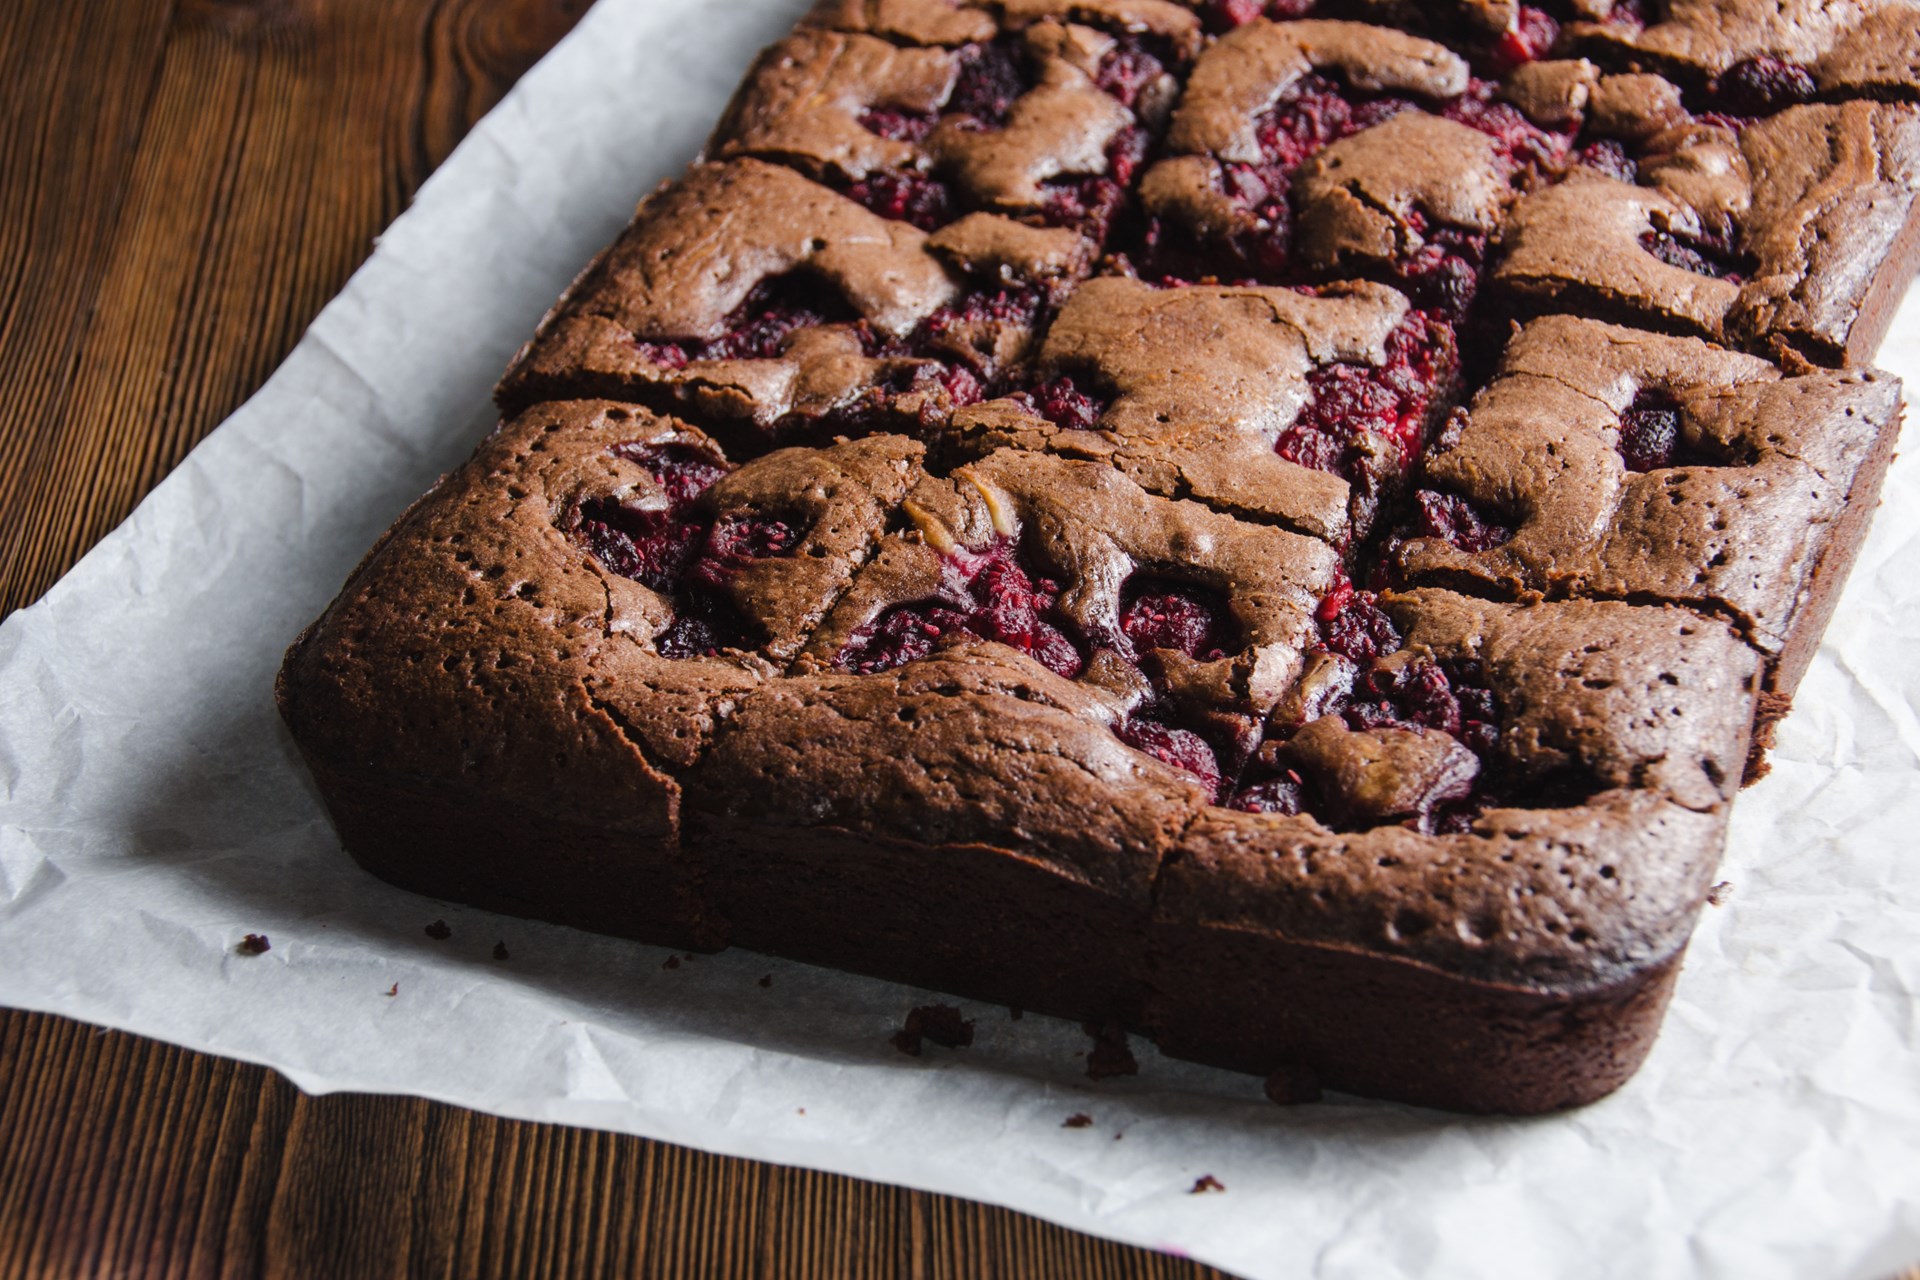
x=1614 y=463
x=574 y=602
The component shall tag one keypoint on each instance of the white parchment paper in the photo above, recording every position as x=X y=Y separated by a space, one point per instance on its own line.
x=152 y=812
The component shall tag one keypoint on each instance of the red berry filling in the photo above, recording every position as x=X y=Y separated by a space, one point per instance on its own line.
x=1456 y=520
x=1156 y=614
x=1063 y=404
x=1761 y=86
x=916 y=198
x=1181 y=748
x=1443 y=274
x=1449 y=696
x=1530 y=39
x=1353 y=625
x=759 y=328
x=678 y=551
x=1651 y=439
x=1224 y=15
x=1353 y=405
x=1707 y=255
x=1134 y=66
x=992 y=78
x=990 y=594
x=1611 y=158
x=1092 y=202
x=898 y=125
x=997 y=594
x=957 y=349
x=684 y=471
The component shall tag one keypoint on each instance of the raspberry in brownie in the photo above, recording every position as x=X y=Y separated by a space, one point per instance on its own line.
x=1307 y=150
x=1667 y=226
x=1609 y=462
x=1305 y=407
x=1754 y=57
x=1186 y=623
x=1043 y=125
x=747 y=559
x=773 y=306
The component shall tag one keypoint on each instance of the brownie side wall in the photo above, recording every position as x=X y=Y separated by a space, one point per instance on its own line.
x=986 y=923
x=1835 y=565
x=1882 y=298
x=470 y=846
x=1829 y=578
x=1385 y=1028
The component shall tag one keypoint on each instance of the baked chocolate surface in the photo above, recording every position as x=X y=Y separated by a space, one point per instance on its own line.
x=1280 y=525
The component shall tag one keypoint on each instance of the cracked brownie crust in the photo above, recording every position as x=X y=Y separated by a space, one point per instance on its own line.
x=1277 y=524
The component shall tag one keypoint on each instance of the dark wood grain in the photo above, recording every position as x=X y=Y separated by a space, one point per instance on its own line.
x=183 y=185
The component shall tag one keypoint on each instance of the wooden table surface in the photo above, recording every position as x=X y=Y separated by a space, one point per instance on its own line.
x=185 y=184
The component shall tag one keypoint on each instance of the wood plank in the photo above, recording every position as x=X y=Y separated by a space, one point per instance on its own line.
x=131 y=1158
x=237 y=167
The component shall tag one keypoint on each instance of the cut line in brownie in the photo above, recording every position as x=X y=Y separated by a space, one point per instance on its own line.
x=1302 y=408
x=1310 y=150
x=1187 y=624
x=1611 y=463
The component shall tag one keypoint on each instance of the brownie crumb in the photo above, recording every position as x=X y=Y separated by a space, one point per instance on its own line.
x=1078 y=1120
x=1719 y=894
x=1015 y=1013
x=254 y=944
x=1206 y=1183
x=393 y=991
x=439 y=931
x=500 y=951
x=673 y=962
x=1111 y=1056
x=940 y=1023
x=766 y=980
x=1292 y=1085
